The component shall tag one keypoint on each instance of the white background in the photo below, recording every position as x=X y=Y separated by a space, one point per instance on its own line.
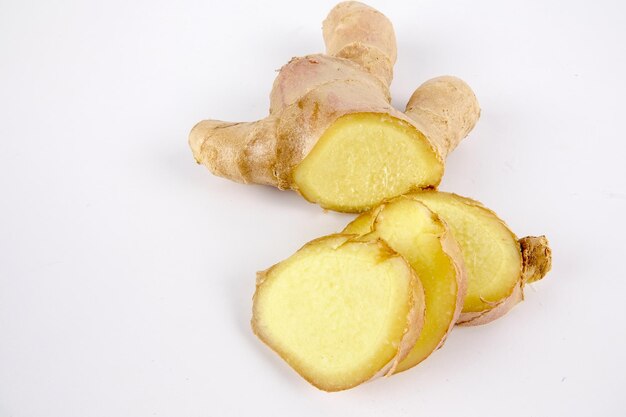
x=126 y=271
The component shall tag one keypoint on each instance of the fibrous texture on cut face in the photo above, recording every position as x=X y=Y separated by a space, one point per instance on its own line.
x=418 y=234
x=340 y=311
x=332 y=133
x=364 y=158
x=492 y=255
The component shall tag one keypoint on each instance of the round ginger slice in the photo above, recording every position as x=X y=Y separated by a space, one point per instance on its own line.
x=418 y=234
x=339 y=311
x=498 y=264
x=365 y=158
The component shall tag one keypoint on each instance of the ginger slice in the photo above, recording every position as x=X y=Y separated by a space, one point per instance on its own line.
x=339 y=311
x=496 y=266
x=418 y=234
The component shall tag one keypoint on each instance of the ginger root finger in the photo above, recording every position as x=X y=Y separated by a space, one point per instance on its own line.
x=241 y=152
x=361 y=34
x=447 y=109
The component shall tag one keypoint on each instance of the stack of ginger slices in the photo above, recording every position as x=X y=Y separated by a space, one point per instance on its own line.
x=382 y=295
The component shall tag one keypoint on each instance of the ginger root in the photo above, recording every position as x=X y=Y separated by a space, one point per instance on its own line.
x=340 y=311
x=332 y=134
x=382 y=295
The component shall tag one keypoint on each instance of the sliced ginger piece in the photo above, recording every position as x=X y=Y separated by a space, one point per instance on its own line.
x=418 y=234
x=340 y=312
x=365 y=158
x=490 y=249
x=497 y=267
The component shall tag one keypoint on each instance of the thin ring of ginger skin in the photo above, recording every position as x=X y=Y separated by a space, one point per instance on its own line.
x=340 y=312
x=365 y=158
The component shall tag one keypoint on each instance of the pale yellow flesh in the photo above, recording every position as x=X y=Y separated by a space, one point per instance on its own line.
x=364 y=158
x=412 y=230
x=490 y=251
x=335 y=311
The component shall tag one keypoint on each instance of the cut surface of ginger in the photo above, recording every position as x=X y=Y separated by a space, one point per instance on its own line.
x=416 y=233
x=339 y=311
x=364 y=158
x=491 y=252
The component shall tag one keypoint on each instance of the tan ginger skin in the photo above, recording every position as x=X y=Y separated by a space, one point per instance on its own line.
x=310 y=93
